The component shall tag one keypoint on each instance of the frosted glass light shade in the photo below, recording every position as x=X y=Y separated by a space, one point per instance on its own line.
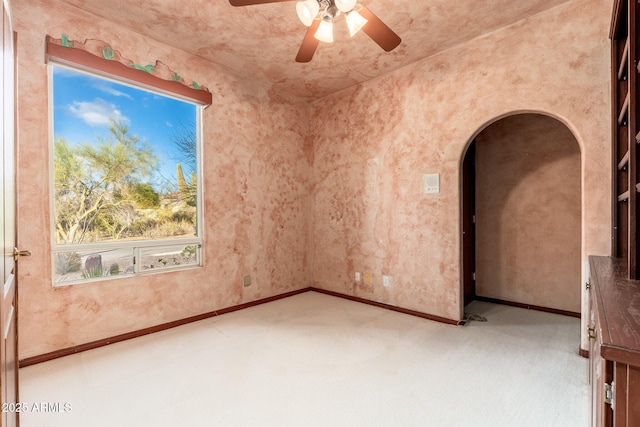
x=345 y=5
x=307 y=11
x=325 y=32
x=355 y=22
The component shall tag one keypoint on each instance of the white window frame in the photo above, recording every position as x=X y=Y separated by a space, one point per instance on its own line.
x=135 y=245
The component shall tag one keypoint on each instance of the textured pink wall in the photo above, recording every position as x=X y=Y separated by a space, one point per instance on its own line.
x=257 y=176
x=528 y=212
x=299 y=195
x=374 y=142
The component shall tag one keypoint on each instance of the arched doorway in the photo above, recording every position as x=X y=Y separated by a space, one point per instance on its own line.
x=522 y=212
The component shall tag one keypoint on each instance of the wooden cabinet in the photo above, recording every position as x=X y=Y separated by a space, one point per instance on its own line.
x=614 y=334
x=625 y=120
x=614 y=298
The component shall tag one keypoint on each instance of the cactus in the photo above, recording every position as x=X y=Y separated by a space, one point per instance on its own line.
x=187 y=189
x=148 y=68
x=182 y=183
x=65 y=41
x=108 y=53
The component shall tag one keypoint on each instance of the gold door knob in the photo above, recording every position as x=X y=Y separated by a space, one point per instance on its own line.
x=17 y=253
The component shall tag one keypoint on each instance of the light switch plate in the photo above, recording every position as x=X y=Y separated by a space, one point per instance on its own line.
x=432 y=183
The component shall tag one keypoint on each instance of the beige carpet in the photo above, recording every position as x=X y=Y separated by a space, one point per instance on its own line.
x=317 y=360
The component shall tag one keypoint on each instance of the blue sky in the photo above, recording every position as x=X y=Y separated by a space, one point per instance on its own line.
x=83 y=104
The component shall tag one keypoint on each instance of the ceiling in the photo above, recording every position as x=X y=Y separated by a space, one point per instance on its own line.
x=261 y=41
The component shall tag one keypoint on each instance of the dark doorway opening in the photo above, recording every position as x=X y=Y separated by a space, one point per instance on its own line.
x=469 y=223
x=521 y=214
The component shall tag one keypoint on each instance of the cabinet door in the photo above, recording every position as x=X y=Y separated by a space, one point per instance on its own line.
x=633 y=396
x=627 y=395
x=601 y=372
x=591 y=324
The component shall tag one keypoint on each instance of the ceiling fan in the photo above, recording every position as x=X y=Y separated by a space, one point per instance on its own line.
x=319 y=16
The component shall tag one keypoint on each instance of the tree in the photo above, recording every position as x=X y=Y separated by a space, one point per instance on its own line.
x=186 y=140
x=92 y=182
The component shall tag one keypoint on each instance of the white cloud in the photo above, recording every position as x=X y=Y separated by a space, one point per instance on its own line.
x=97 y=112
x=104 y=87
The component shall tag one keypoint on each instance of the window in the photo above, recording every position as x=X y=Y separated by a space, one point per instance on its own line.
x=126 y=177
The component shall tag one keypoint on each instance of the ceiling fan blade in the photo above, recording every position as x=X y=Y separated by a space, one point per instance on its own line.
x=309 y=43
x=379 y=31
x=252 y=2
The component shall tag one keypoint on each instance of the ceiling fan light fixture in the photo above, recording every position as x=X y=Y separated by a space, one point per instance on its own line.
x=325 y=31
x=319 y=16
x=345 y=5
x=307 y=11
x=355 y=22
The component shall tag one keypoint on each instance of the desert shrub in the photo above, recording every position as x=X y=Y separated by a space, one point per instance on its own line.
x=144 y=196
x=188 y=251
x=67 y=262
x=114 y=269
x=175 y=228
x=93 y=272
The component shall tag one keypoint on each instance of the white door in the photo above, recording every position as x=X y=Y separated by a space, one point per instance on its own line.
x=8 y=302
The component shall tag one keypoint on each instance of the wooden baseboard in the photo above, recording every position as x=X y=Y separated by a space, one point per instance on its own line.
x=529 y=306
x=146 y=331
x=583 y=353
x=391 y=307
x=29 y=361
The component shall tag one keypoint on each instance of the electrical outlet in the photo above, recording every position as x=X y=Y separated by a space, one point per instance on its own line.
x=358 y=276
x=386 y=281
x=367 y=277
x=246 y=281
